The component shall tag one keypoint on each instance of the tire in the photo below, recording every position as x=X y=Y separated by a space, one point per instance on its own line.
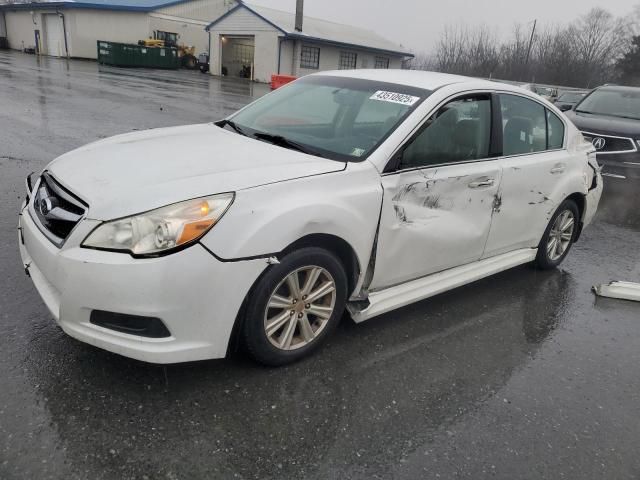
x=557 y=241
x=189 y=62
x=297 y=328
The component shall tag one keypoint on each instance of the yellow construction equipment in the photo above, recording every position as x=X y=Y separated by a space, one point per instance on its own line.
x=186 y=53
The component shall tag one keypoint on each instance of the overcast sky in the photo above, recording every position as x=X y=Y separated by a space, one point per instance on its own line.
x=417 y=23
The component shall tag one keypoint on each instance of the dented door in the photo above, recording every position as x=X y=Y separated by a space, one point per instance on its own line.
x=434 y=219
x=538 y=174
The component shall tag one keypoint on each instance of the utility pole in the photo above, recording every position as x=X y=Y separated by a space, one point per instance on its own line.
x=533 y=33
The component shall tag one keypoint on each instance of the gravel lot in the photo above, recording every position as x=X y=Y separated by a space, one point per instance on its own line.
x=524 y=375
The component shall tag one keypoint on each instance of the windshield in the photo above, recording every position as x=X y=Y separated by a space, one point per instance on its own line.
x=615 y=103
x=340 y=118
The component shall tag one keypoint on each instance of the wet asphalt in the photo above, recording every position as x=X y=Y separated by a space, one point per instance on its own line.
x=523 y=375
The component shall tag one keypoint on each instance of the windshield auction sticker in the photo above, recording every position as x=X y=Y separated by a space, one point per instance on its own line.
x=394 y=97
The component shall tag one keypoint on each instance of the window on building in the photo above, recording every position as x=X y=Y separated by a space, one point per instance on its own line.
x=170 y=39
x=310 y=57
x=348 y=60
x=382 y=62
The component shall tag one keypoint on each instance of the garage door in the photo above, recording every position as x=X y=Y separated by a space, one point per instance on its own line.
x=54 y=40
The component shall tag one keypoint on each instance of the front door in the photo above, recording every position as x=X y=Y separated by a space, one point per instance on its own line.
x=438 y=201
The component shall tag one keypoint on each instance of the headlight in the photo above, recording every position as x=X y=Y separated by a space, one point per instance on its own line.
x=638 y=141
x=161 y=230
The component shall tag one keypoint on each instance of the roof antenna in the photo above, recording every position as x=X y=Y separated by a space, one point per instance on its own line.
x=299 y=14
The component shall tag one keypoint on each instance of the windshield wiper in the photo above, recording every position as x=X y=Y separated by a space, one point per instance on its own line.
x=232 y=124
x=281 y=141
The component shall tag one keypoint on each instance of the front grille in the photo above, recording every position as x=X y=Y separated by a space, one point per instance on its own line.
x=57 y=211
x=606 y=144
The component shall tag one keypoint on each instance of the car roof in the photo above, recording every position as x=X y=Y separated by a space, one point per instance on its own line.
x=418 y=78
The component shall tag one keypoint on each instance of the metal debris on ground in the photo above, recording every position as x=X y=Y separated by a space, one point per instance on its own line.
x=619 y=290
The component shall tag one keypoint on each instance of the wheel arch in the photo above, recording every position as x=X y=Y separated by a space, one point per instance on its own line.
x=581 y=202
x=336 y=245
x=332 y=243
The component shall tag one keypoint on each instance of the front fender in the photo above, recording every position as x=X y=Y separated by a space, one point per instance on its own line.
x=265 y=220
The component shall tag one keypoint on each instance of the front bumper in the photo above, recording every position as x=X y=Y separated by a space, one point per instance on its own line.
x=196 y=296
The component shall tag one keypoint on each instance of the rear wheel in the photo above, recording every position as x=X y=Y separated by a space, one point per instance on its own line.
x=559 y=236
x=295 y=306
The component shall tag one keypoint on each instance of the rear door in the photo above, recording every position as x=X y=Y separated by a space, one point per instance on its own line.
x=535 y=166
x=439 y=194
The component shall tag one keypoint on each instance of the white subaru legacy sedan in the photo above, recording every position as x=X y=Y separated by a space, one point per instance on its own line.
x=360 y=190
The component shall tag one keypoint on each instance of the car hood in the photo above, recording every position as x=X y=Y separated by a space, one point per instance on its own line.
x=140 y=171
x=605 y=125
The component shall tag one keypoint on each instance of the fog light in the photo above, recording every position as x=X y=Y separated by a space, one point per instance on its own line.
x=149 y=327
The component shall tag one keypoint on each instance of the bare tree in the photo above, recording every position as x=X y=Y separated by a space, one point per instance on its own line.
x=513 y=54
x=450 y=50
x=481 y=54
x=584 y=53
x=599 y=41
x=554 y=60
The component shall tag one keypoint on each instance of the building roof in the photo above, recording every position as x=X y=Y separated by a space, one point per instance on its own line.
x=130 y=5
x=320 y=31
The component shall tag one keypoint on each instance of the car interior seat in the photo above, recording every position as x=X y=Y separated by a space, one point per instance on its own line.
x=518 y=136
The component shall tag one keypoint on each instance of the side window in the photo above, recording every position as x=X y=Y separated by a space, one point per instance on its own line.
x=524 y=125
x=459 y=131
x=555 y=131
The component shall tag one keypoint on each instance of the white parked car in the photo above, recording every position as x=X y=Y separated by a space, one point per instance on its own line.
x=368 y=190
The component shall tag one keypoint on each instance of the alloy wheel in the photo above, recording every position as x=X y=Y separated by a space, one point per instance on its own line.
x=561 y=235
x=300 y=307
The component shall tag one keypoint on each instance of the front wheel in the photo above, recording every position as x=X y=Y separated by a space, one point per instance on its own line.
x=295 y=306
x=559 y=236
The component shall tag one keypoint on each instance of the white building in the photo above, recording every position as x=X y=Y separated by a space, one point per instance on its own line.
x=71 y=28
x=260 y=41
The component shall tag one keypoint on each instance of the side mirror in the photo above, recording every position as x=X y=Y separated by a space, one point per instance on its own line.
x=566 y=108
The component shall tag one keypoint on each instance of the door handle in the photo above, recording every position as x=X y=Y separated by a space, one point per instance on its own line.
x=485 y=182
x=558 y=168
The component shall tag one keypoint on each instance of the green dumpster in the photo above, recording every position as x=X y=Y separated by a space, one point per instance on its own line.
x=130 y=55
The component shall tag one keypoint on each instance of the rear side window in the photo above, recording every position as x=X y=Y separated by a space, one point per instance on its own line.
x=524 y=125
x=555 y=131
x=458 y=132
